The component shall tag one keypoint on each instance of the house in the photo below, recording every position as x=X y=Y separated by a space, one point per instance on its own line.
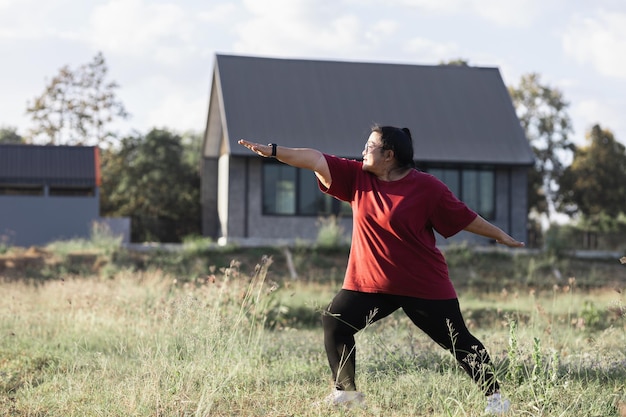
x=462 y=120
x=47 y=193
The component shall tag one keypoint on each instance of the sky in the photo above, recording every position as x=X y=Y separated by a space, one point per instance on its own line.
x=161 y=53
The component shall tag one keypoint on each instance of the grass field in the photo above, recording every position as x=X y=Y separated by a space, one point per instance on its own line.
x=146 y=342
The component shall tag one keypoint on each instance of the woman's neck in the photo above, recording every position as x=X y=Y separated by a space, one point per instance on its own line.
x=393 y=174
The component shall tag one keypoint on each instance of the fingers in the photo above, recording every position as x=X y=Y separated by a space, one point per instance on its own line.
x=255 y=147
x=512 y=243
x=509 y=241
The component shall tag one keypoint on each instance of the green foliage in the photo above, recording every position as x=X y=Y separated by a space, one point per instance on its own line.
x=595 y=183
x=600 y=233
x=150 y=179
x=5 y=244
x=195 y=245
x=458 y=254
x=9 y=135
x=458 y=62
x=592 y=316
x=542 y=111
x=77 y=107
x=515 y=366
x=559 y=238
x=331 y=234
x=101 y=241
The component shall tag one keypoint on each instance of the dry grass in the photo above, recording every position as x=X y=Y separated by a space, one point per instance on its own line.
x=145 y=344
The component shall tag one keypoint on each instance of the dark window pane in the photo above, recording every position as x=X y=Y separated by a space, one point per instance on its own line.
x=311 y=200
x=486 y=180
x=12 y=189
x=450 y=177
x=472 y=186
x=284 y=186
x=279 y=189
x=478 y=192
x=72 y=191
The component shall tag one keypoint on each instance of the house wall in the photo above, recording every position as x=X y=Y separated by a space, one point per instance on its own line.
x=519 y=197
x=246 y=221
x=511 y=208
x=233 y=196
x=245 y=218
x=208 y=198
x=39 y=220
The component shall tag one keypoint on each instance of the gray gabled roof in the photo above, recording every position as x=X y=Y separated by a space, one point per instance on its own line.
x=52 y=165
x=456 y=114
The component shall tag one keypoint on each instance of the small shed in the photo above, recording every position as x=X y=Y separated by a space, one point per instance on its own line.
x=47 y=193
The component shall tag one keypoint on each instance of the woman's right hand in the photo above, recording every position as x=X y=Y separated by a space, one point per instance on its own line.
x=263 y=150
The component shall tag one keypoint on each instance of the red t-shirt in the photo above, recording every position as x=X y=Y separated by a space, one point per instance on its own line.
x=393 y=244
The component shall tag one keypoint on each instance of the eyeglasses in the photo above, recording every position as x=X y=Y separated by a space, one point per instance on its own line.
x=370 y=147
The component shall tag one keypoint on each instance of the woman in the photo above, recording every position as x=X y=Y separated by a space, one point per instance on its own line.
x=394 y=262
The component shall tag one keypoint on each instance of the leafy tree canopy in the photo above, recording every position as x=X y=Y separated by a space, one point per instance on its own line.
x=594 y=185
x=459 y=62
x=77 y=107
x=542 y=111
x=153 y=181
x=10 y=135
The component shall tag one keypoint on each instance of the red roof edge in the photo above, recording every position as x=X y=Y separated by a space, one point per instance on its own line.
x=96 y=159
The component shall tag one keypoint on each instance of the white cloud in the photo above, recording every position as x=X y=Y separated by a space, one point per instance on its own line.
x=177 y=111
x=431 y=52
x=171 y=104
x=599 y=41
x=587 y=112
x=289 y=27
x=34 y=20
x=218 y=13
x=518 y=13
x=135 y=27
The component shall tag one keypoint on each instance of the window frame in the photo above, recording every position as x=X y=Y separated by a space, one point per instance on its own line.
x=461 y=191
x=335 y=206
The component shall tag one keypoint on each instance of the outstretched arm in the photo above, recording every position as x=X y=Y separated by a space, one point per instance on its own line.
x=482 y=227
x=306 y=158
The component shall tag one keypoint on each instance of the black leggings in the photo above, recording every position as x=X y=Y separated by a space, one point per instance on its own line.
x=351 y=311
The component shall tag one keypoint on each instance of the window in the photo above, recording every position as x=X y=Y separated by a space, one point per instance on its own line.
x=478 y=192
x=279 y=188
x=475 y=187
x=57 y=191
x=292 y=191
x=451 y=177
x=12 y=189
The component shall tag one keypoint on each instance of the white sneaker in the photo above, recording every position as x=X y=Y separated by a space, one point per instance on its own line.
x=496 y=404
x=348 y=399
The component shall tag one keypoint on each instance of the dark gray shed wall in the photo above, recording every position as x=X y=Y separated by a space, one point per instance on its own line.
x=28 y=220
x=36 y=221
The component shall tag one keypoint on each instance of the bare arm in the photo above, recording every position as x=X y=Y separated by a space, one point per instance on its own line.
x=482 y=227
x=306 y=158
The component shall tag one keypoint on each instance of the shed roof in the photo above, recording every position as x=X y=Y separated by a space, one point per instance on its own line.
x=457 y=114
x=57 y=165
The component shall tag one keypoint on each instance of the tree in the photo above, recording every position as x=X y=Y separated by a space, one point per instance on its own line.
x=459 y=62
x=542 y=111
x=77 y=107
x=10 y=135
x=150 y=180
x=595 y=183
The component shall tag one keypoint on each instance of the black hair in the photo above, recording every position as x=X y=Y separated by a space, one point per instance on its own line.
x=399 y=140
